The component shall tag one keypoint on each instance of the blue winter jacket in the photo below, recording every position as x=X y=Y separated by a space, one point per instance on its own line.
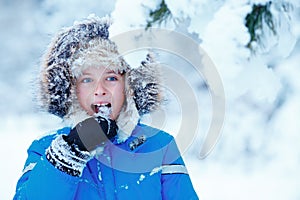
x=135 y=169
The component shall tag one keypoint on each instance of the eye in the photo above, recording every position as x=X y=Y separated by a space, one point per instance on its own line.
x=86 y=80
x=111 y=78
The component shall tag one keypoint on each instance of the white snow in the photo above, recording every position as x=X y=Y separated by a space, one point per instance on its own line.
x=104 y=111
x=257 y=156
x=142 y=177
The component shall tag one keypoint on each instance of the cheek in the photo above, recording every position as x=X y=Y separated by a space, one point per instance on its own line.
x=122 y=99
x=83 y=96
x=122 y=95
x=118 y=100
x=80 y=94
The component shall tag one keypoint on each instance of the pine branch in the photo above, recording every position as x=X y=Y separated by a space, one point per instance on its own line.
x=255 y=20
x=161 y=14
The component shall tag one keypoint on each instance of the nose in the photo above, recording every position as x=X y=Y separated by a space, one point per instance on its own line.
x=100 y=90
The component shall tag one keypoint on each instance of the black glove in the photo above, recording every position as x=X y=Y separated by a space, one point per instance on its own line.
x=92 y=133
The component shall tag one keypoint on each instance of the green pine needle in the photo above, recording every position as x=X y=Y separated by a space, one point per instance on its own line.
x=255 y=20
x=161 y=14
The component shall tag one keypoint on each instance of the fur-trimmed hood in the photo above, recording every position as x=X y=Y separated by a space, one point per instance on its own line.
x=84 y=43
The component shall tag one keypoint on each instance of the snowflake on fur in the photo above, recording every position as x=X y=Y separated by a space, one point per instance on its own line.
x=145 y=83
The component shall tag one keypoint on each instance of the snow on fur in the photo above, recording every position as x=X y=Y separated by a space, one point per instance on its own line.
x=146 y=85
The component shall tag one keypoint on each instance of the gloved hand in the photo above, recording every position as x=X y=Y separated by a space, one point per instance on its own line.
x=92 y=133
x=68 y=153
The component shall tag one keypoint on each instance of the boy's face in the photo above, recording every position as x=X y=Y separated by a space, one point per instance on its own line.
x=98 y=87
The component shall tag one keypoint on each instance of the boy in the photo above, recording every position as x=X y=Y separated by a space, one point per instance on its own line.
x=105 y=153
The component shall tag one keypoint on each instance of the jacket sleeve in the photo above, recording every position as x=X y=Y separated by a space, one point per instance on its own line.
x=40 y=179
x=176 y=182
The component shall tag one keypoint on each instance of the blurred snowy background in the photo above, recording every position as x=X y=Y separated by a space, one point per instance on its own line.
x=255 y=45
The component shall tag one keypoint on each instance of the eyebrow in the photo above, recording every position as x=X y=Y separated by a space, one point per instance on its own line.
x=114 y=72
x=86 y=73
x=105 y=72
x=111 y=72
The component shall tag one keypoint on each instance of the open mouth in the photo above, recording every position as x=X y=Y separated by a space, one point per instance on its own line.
x=103 y=110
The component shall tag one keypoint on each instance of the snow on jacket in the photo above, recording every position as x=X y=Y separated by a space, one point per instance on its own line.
x=147 y=165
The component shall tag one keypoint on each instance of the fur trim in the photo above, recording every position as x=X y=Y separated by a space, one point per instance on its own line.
x=99 y=51
x=145 y=81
